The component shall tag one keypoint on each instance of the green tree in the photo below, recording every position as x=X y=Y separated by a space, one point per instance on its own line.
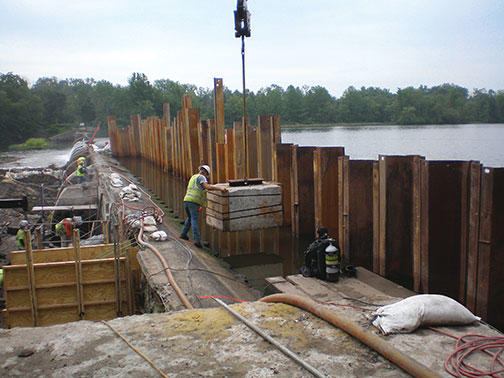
x=21 y=112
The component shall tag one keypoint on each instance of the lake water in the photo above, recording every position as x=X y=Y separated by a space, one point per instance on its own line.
x=482 y=142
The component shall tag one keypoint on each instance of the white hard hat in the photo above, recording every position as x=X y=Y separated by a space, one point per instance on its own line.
x=23 y=223
x=77 y=220
x=206 y=168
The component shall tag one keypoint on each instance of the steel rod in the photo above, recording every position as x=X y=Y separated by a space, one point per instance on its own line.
x=271 y=340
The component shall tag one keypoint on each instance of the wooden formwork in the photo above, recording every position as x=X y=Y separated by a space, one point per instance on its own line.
x=52 y=286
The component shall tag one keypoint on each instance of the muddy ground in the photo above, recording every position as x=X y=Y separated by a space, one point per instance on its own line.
x=16 y=183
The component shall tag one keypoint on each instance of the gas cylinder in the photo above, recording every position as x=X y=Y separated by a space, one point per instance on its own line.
x=332 y=262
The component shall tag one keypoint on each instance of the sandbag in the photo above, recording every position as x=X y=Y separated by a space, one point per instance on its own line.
x=408 y=314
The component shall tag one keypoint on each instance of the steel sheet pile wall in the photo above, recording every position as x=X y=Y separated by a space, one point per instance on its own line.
x=434 y=227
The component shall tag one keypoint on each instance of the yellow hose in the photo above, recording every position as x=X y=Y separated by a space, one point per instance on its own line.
x=375 y=342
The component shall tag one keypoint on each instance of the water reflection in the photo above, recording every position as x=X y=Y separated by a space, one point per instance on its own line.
x=266 y=253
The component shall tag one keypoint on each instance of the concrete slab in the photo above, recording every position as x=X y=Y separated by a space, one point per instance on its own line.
x=357 y=298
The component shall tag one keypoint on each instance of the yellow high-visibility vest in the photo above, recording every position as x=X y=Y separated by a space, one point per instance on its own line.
x=194 y=192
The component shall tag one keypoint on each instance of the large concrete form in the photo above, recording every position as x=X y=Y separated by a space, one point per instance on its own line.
x=245 y=207
x=360 y=188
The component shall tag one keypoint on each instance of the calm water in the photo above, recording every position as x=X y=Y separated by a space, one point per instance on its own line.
x=484 y=143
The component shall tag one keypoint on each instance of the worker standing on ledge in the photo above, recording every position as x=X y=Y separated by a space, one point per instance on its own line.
x=81 y=170
x=20 y=236
x=195 y=199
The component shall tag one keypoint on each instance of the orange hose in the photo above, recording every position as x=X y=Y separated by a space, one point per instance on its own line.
x=177 y=289
x=405 y=362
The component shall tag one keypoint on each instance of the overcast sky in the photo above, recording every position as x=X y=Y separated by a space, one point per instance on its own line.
x=333 y=43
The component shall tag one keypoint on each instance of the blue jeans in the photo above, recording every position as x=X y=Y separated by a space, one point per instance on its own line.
x=192 y=211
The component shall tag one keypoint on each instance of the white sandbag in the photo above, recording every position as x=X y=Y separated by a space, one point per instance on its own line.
x=408 y=314
x=159 y=236
x=116 y=180
x=149 y=221
x=150 y=228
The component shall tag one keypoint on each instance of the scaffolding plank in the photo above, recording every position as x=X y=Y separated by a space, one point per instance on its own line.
x=65 y=208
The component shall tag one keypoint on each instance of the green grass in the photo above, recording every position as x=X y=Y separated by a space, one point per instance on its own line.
x=31 y=144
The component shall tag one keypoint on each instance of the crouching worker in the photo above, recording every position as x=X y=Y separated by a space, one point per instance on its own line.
x=322 y=258
x=195 y=199
x=64 y=229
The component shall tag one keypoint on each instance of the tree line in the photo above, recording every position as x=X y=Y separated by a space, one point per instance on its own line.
x=50 y=106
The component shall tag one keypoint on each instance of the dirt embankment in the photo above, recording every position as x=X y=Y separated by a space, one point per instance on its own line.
x=14 y=184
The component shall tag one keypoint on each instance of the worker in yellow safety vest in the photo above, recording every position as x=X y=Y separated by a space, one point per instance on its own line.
x=20 y=236
x=81 y=171
x=195 y=199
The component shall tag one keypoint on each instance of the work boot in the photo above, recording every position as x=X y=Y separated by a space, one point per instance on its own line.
x=184 y=237
x=198 y=244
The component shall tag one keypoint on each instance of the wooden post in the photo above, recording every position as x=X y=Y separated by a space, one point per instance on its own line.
x=219 y=110
x=31 y=277
x=251 y=152
x=38 y=237
x=230 y=155
x=303 y=213
x=239 y=145
x=326 y=187
x=344 y=207
x=117 y=273
x=490 y=293
x=193 y=120
x=360 y=196
x=472 y=247
x=105 y=232
x=265 y=137
x=284 y=169
x=78 y=272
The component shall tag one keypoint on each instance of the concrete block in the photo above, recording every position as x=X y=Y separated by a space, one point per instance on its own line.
x=245 y=207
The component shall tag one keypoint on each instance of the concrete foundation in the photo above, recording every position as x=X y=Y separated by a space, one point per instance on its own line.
x=245 y=207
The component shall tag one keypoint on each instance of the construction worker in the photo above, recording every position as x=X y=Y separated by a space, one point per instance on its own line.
x=81 y=160
x=20 y=236
x=64 y=229
x=195 y=199
x=81 y=170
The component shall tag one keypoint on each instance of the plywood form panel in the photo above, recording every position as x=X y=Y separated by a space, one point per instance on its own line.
x=284 y=169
